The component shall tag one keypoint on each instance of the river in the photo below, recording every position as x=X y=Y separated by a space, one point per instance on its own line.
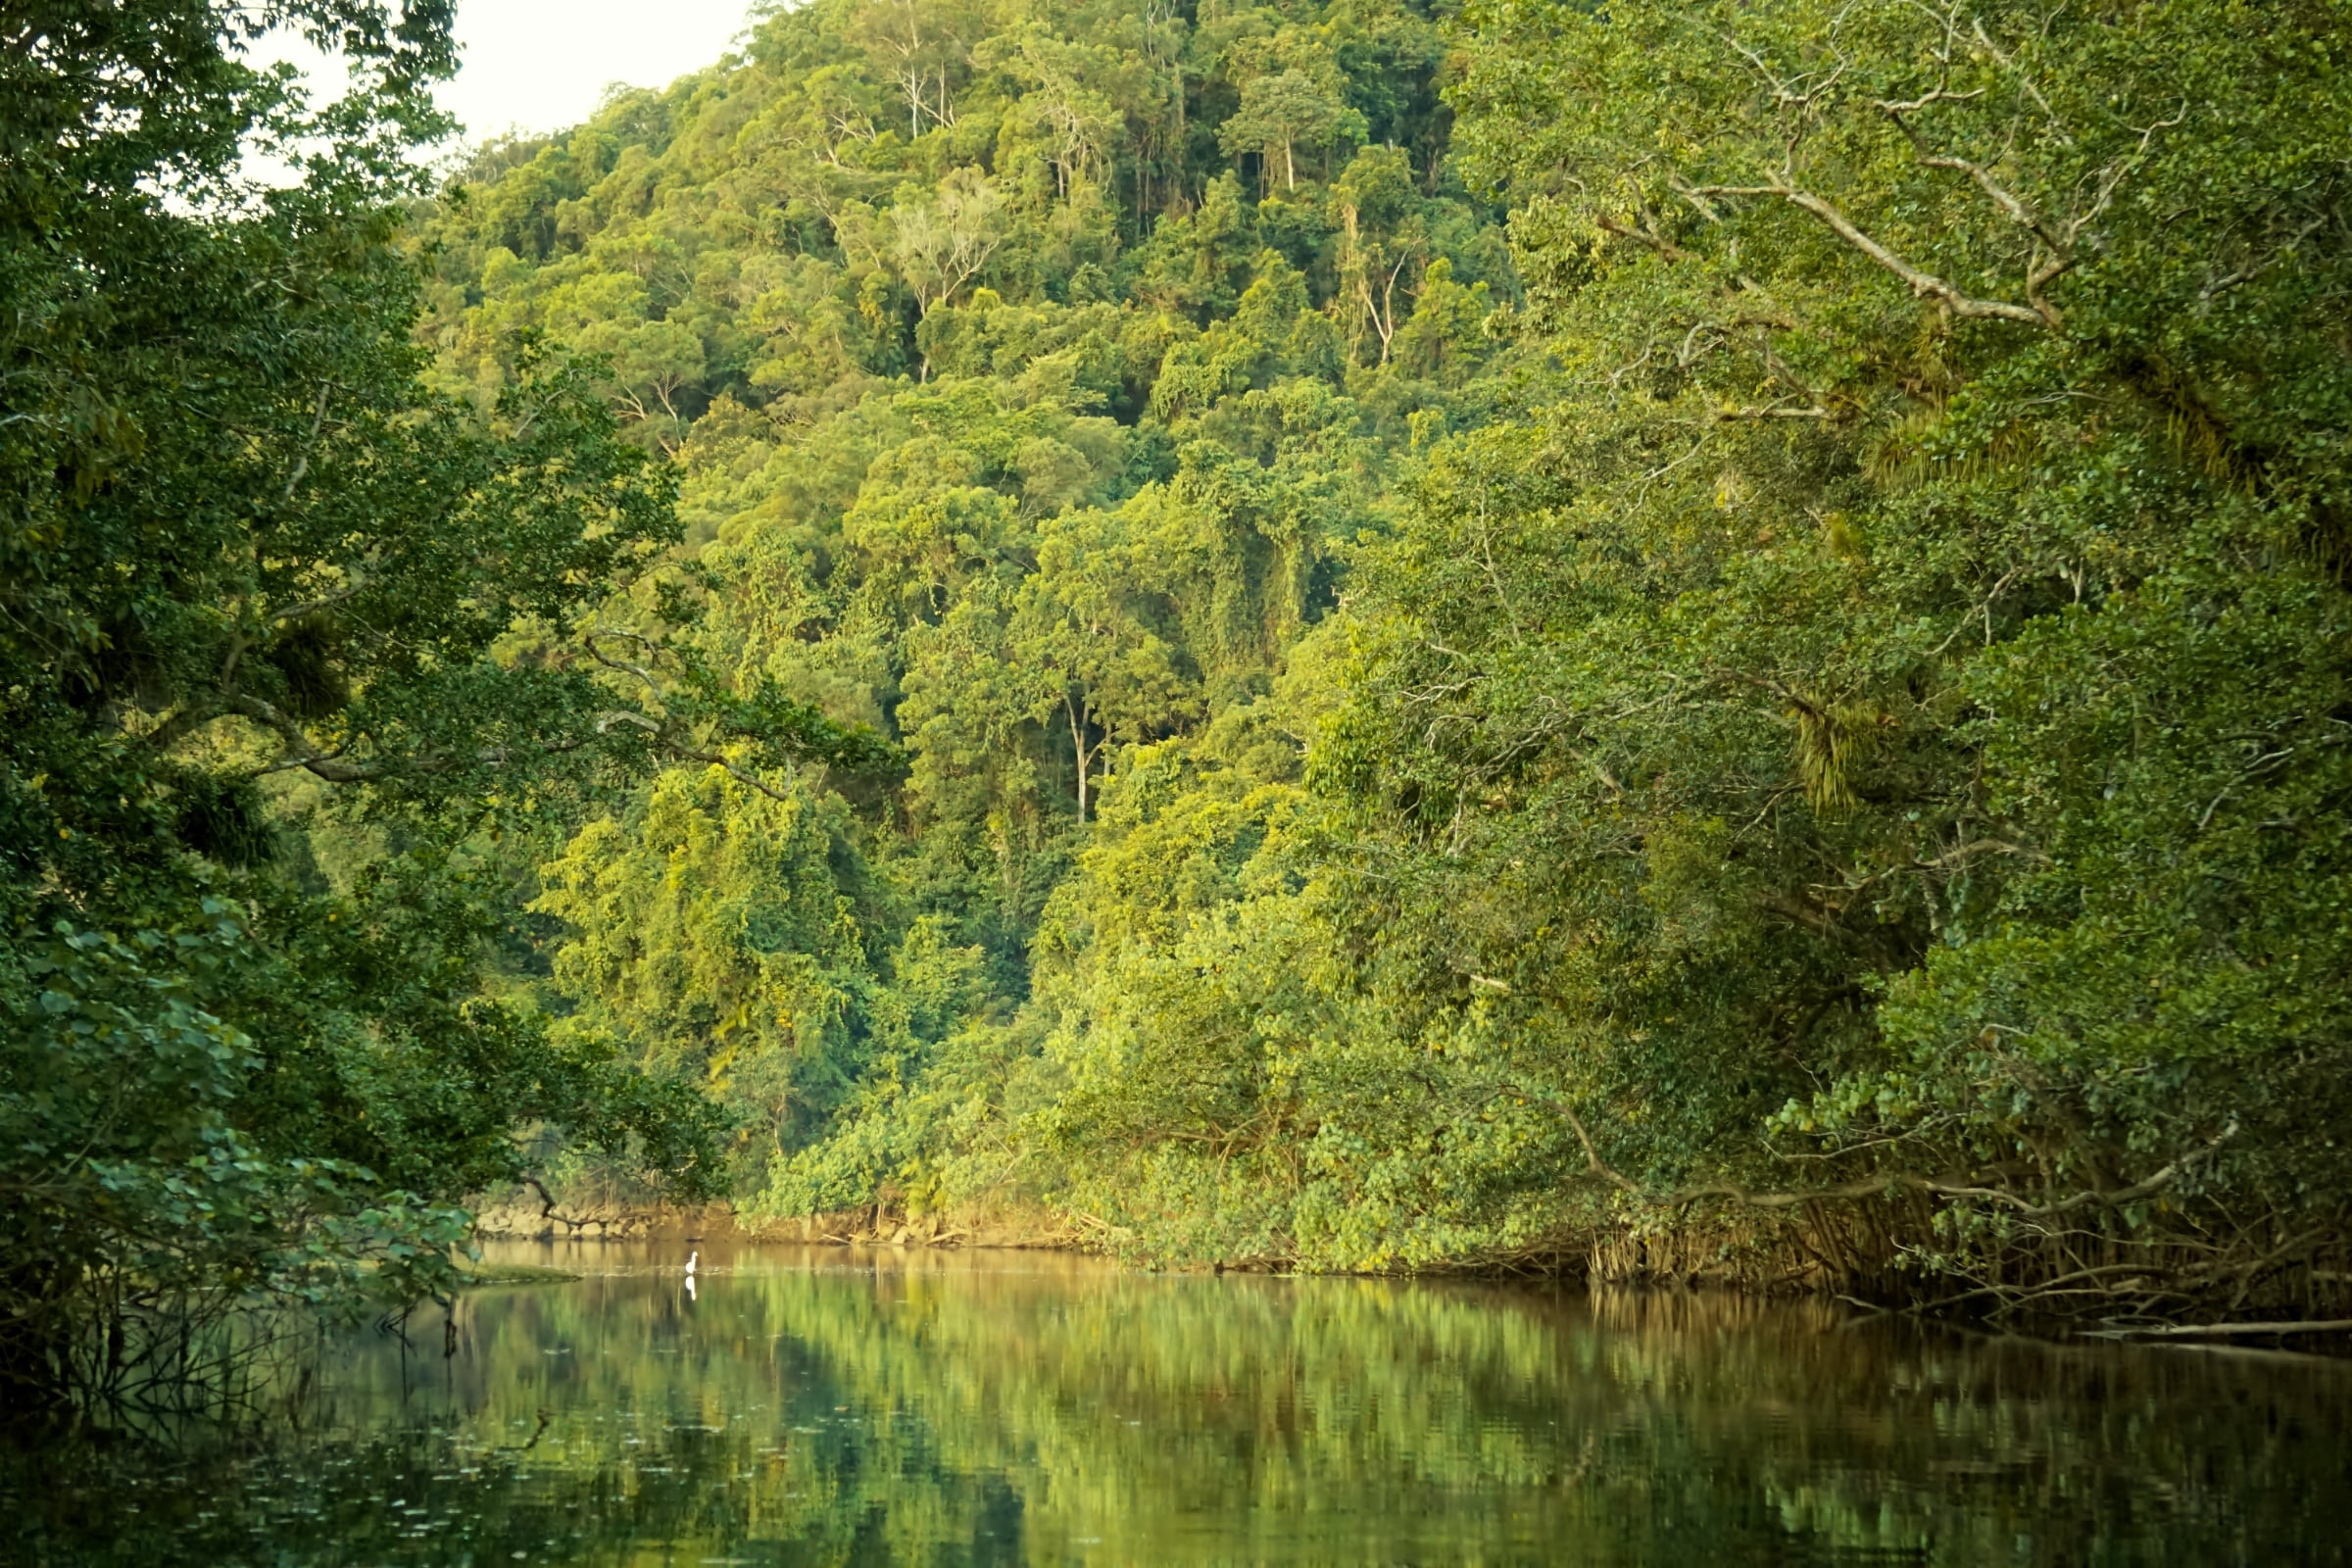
x=826 y=1405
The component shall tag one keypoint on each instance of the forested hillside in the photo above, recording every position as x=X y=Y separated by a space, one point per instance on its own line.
x=1035 y=377
x=1747 y=638
x=1680 y=637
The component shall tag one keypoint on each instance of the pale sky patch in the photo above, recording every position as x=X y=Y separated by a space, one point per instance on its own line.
x=542 y=64
x=539 y=66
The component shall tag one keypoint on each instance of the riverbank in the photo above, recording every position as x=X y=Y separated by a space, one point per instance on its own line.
x=530 y=1218
x=1853 y=1254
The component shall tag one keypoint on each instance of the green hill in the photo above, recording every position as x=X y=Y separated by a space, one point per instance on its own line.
x=1031 y=378
x=1793 y=693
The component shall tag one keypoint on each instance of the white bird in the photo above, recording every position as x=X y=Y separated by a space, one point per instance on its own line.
x=690 y=1258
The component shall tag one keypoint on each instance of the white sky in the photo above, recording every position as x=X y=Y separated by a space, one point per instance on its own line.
x=541 y=65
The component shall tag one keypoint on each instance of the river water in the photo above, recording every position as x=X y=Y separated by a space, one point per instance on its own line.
x=823 y=1405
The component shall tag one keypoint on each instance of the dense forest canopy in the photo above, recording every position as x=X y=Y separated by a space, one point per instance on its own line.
x=1351 y=635
x=1033 y=376
x=1506 y=624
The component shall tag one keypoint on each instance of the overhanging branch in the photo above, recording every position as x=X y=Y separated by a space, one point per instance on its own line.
x=1881 y=1186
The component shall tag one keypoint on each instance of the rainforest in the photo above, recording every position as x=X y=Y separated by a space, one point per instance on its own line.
x=1651 y=640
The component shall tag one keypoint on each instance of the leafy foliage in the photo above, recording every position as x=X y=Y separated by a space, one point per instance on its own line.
x=1325 y=634
x=1833 y=696
x=1889 y=709
x=242 y=545
x=1008 y=424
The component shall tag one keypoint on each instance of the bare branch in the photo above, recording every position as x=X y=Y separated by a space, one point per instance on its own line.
x=301 y=462
x=2054 y=250
x=311 y=607
x=1776 y=411
x=306 y=753
x=621 y=666
x=1935 y=95
x=1921 y=283
x=178 y=725
x=2001 y=58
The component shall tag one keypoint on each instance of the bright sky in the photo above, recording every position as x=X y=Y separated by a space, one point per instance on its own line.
x=541 y=65
x=544 y=65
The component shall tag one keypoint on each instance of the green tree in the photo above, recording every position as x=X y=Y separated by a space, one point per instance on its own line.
x=1099 y=648
x=944 y=243
x=724 y=927
x=242 y=545
x=1831 y=717
x=1281 y=114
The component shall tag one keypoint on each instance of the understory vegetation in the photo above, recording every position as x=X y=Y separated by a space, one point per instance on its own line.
x=1697 y=638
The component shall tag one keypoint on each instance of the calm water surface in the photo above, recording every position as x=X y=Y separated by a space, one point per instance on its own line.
x=831 y=1407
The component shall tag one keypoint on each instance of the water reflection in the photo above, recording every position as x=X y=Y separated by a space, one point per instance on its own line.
x=788 y=1406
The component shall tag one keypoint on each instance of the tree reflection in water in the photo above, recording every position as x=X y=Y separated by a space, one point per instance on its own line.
x=827 y=1406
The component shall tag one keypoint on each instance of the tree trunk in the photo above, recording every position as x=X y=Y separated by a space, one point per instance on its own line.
x=1077 y=712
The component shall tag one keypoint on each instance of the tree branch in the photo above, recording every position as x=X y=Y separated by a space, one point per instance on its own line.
x=1924 y=285
x=1921 y=283
x=1896 y=1181
x=1776 y=411
x=1648 y=236
x=2200 y=1331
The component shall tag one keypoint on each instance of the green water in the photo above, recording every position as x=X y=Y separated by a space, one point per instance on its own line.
x=832 y=1406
